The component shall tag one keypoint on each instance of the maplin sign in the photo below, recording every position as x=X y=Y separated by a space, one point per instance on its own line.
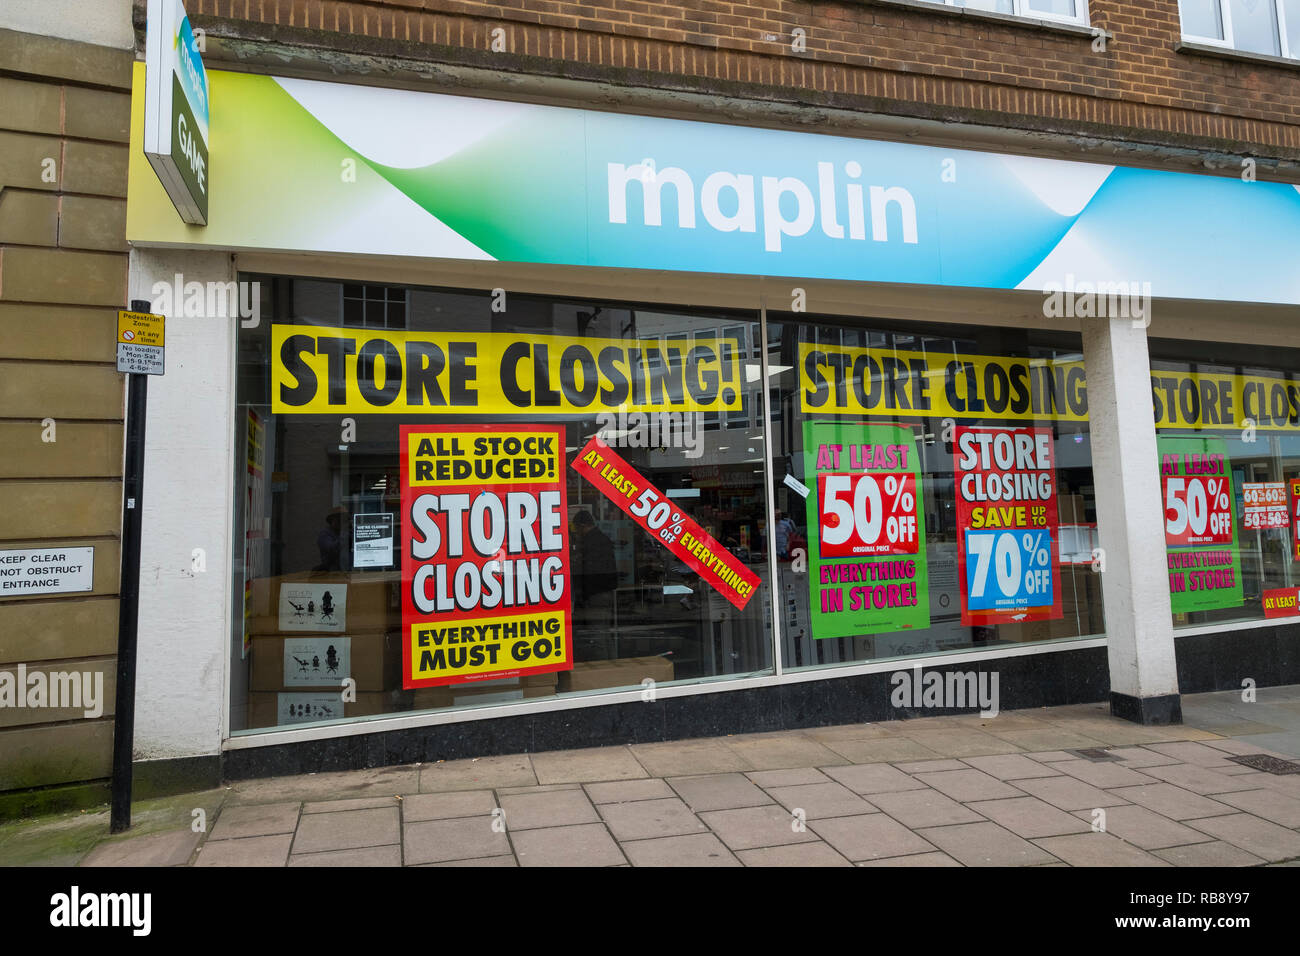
x=176 y=110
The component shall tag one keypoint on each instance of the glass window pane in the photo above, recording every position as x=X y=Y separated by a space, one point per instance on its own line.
x=1202 y=18
x=1254 y=26
x=1058 y=8
x=1291 y=10
x=997 y=6
x=324 y=549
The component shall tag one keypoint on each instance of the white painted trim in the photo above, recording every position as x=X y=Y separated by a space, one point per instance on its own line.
x=1232 y=626
x=254 y=739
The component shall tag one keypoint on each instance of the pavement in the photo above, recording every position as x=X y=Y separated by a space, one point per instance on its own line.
x=1060 y=786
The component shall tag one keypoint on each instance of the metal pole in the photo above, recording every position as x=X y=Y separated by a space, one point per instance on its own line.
x=129 y=595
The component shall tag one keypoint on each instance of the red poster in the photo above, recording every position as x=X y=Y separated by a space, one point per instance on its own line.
x=1265 y=505
x=1295 y=517
x=658 y=516
x=486 y=587
x=1007 y=524
x=1282 y=602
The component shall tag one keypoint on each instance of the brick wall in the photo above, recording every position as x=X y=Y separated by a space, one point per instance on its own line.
x=64 y=111
x=875 y=55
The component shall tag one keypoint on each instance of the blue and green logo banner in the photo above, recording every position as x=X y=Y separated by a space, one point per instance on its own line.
x=312 y=166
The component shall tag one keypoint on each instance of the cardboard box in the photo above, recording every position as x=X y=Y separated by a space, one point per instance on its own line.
x=621 y=672
x=1025 y=631
x=373 y=660
x=368 y=603
x=1069 y=509
x=279 y=709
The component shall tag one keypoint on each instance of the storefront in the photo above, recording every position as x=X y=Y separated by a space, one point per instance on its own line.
x=512 y=434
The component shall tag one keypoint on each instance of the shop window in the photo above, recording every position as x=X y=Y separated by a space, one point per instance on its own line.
x=1228 y=435
x=1270 y=27
x=553 y=573
x=939 y=493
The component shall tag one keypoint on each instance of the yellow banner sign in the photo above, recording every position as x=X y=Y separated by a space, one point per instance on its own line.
x=836 y=380
x=326 y=370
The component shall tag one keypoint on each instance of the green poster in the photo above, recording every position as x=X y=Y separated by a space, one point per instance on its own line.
x=1200 y=530
x=866 y=529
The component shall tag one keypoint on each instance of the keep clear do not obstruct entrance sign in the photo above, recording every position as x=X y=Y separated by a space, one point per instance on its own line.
x=140 y=343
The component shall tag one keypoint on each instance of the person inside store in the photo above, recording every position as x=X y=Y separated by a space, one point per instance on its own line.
x=595 y=572
x=330 y=542
x=785 y=530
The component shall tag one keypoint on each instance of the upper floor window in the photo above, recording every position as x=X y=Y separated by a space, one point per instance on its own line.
x=1254 y=26
x=1067 y=11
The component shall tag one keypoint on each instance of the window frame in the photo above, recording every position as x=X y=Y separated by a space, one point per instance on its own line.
x=1229 y=42
x=1022 y=10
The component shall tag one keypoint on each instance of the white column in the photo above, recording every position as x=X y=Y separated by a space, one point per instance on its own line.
x=188 y=488
x=1130 y=519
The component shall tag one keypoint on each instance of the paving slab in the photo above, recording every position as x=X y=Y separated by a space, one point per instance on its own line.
x=1010 y=766
x=874 y=778
x=556 y=808
x=783 y=752
x=1264 y=839
x=787 y=778
x=355 y=803
x=968 y=784
x=1097 y=849
x=985 y=844
x=1049 y=740
x=961 y=742
x=622 y=791
x=1102 y=774
x=1213 y=853
x=584 y=845
x=750 y=827
x=800 y=855
x=1067 y=793
x=249 y=851
x=256 y=820
x=587 y=766
x=1029 y=817
x=1268 y=804
x=930 y=766
x=915 y=860
x=819 y=800
x=718 y=791
x=870 y=837
x=1189 y=751
x=317 y=787
x=443 y=806
x=646 y=819
x=1199 y=779
x=883 y=750
x=347 y=830
x=485 y=773
x=169 y=848
x=688 y=757
x=1139 y=757
x=697 y=849
x=480 y=861
x=438 y=841
x=1145 y=828
x=852 y=732
x=1169 y=801
x=923 y=808
x=364 y=856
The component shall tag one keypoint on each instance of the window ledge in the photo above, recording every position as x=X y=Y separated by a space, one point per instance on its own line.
x=1227 y=53
x=1005 y=19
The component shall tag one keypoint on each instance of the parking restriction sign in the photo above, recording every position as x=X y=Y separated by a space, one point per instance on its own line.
x=140 y=343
